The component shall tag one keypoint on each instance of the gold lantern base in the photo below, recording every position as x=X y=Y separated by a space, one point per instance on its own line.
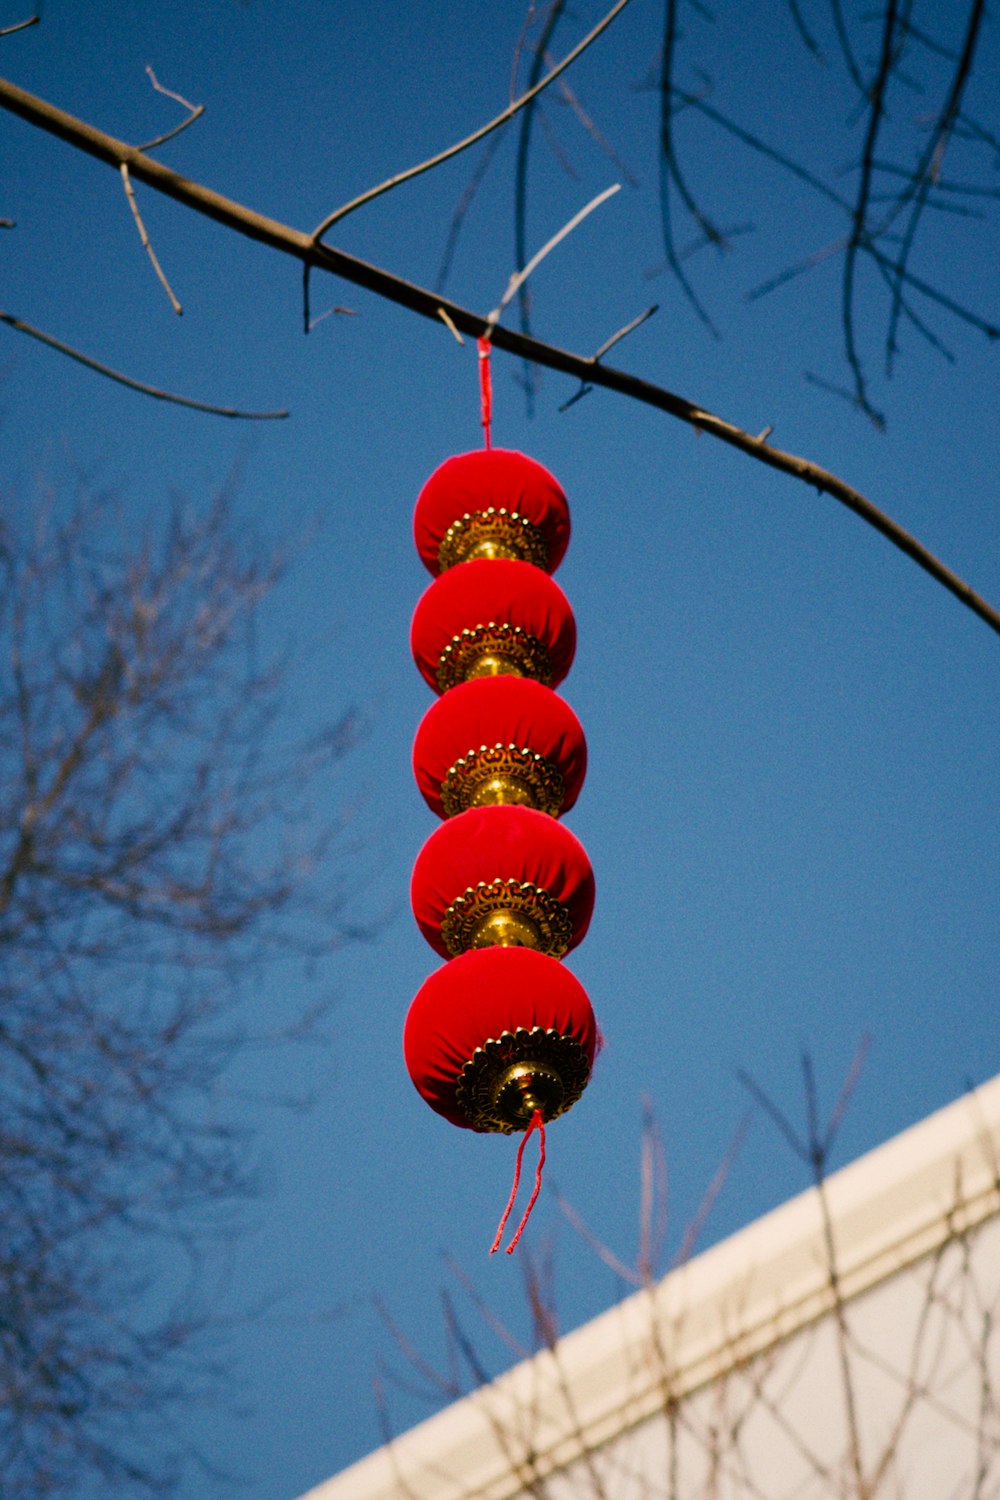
x=512 y=1075
x=493 y=650
x=503 y=776
x=495 y=532
x=507 y=914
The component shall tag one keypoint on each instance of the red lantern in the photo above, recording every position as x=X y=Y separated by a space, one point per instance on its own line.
x=487 y=618
x=491 y=503
x=497 y=1034
x=504 y=876
x=499 y=740
x=502 y=1037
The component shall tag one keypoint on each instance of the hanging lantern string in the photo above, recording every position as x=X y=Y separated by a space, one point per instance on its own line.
x=537 y=1123
x=485 y=389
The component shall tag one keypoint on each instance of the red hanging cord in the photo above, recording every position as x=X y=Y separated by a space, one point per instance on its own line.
x=485 y=389
x=537 y=1123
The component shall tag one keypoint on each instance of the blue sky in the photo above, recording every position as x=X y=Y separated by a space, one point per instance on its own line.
x=791 y=805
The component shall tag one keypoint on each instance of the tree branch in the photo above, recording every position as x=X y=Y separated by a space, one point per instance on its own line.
x=146 y=243
x=477 y=135
x=135 y=385
x=417 y=299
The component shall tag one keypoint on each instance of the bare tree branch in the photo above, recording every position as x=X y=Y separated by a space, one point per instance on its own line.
x=417 y=299
x=555 y=11
x=477 y=135
x=928 y=170
x=144 y=237
x=20 y=26
x=859 y=229
x=518 y=279
x=195 y=112
x=671 y=174
x=136 y=385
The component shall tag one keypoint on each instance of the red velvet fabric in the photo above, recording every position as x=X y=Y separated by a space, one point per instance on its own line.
x=500 y=843
x=498 y=711
x=499 y=591
x=498 y=477
x=477 y=996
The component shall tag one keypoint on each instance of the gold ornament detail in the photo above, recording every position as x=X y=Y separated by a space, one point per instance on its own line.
x=503 y=776
x=512 y=1075
x=493 y=650
x=489 y=534
x=507 y=914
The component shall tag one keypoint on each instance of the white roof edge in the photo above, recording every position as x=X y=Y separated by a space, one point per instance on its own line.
x=888 y=1208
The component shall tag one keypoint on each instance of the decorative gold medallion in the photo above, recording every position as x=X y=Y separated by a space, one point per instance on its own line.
x=492 y=533
x=507 y=914
x=512 y=1075
x=503 y=776
x=493 y=650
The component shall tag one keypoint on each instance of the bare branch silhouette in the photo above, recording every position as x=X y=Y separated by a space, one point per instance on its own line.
x=20 y=26
x=136 y=385
x=417 y=299
x=144 y=237
x=672 y=176
x=195 y=112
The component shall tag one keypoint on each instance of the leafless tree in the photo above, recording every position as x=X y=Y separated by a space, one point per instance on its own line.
x=155 y=847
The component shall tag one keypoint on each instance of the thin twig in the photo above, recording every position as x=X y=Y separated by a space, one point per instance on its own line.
x=161 y=88
x=623 y=332
x=570 y=97
x=850 y=397
x=966 y=189
x=791 y=272
x=845 y=46
x=137 y=385
x=520 y=277
x=847 y=1088
x=515 y=63
x=670 y=173
x=652 y=1195
x=780 y=1119
x=556 y=9
x=585 y=389
x=20 y=26
x=911 y=315
x=859 y=230
x=477 y=135
x=144 y=237
x=343 y=312
x=168 y=135
x=427 y=304
x=450 y=326
x=695 y=101
x=489 y=1317
x=195 y=112
x=964 y=314
x=601 y=1250
x=712 y=1192
x=928 y=169
x=472 y=187
x=808 y=40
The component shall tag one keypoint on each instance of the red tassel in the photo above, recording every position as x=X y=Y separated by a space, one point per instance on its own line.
x=485 y=389
x=536 y=1123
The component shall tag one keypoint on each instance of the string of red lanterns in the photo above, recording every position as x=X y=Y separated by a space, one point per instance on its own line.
x=502 y=1037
